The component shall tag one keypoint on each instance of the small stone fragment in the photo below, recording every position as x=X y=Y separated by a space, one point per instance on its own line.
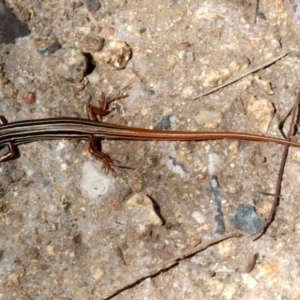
x=279 y=4
x=260 y=113
x=233 y=148
x=50 y=250
x=92 y=44
x=296 y=156
x=164 y=123
x=110 y=31
x=239 y=64
x=247 y=220
x=142 y=211
x=198 y=217
x=215 y=163
x=3 y=80
x=190 y=57
x=226 y=248
x=216 y=78
x=98 y=272
x=209 y=118
x=72 y=65
x=47 y=46
x=261 y=15
x=117 y=53
x=184 y=45
x=30 y=98
x=249 y=281
x=275 y=43
x=92 y=5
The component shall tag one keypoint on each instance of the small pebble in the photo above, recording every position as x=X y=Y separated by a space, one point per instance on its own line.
x=47 y=46
x=30 y=98
x=72 y=65
x=144 y=112
x=110 y=31
x=142 y=30
x=296 y=156
x=261 y=15
x=92 y=44
x=260 y=113
x=164 y=123
x=94 y=182
x=50 y=250
x=275 y=43
x=94 y=78
x=184 y=45
x=98 y=272
x=190 y=57
x=117 y=53
x=198 y=217
x=92 y=5
x=215 y=163
x=247 y=220
x=249 y=281
x=3 y=80
x=216 y=78
x=239 y=64
x=234 y=148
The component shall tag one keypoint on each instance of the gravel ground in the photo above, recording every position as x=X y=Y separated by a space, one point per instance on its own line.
x=71 y=231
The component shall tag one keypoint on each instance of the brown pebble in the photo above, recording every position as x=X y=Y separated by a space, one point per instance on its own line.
x=184 y=45
x=3 y=80
x=110 y=31
x=252 y=263
x=30 y=98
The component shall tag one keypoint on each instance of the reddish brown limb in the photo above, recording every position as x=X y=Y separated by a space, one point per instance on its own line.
x=96 y=113
x=106 y=160
x=276 y=200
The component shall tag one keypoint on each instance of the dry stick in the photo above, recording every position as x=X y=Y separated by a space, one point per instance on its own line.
x=167 y=264
x=242 y=76
x=280 y=173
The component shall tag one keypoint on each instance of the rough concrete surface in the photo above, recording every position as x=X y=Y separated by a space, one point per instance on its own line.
x=70 y=231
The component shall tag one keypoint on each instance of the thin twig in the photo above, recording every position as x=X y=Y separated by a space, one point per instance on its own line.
x=280 y=173
x=242 y=75
x=167 y=264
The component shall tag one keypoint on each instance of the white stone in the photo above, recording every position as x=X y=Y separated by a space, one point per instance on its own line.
x=94 y=181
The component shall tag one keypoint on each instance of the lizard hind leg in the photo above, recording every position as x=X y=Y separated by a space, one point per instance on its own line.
x=108 y=163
